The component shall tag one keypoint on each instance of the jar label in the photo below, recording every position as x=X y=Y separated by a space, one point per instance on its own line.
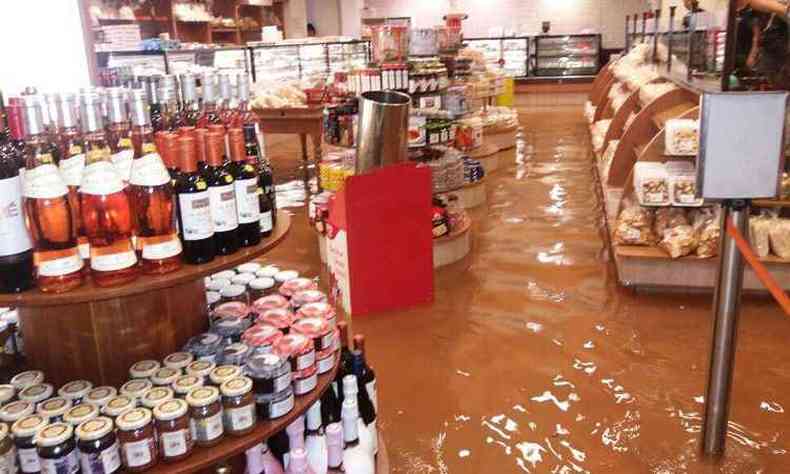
x=266 y=221
x=281 y=408
x=8 y=461
x=326 y=364
x=44 y=182
x=195 y=210
x=247 y=203
x=71 y=169
x=104 y=462
x=60 y=266
x=302 y=386
x=123 y=163
x=175 y=443
x=162 y=250
x=328 y=340
x=282 y=382
x=148 y=170
x=223 y=208
x=28 y=460
x=139 y=453
x=208 y=429
x=238 y=419
x=113 y=261
x=305 y=361
x=101 y=178
x=68 y=464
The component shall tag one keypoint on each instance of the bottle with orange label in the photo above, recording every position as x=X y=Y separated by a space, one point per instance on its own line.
x=52 y=228
x=106 y=208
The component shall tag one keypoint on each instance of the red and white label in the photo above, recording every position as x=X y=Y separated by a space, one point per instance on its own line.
x=101 y=179
x=149 y=170
x=44 y=182
x=113 y=261
x=14 y=238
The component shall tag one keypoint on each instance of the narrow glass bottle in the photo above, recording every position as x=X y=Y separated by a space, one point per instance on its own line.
x=226 y=110
x=194 y=206
x=266 y=194
x=16 y=129
x=356 y=457
x=200 y=135
x=242 y=115
x=166 y=143
x=190 y=109
x=49 y=121
x=168 y=98
x=119 y=132
x=209 y=113
x=365 y=374
x=158 y=122
x=105 y=207
x=52 y=228
x=223 y=197
x=153 y=197
x=246 y=187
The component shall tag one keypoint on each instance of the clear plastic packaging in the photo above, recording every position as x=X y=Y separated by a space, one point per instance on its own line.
x=651 y=182
x=779 y=236
x=759 y=230
x=679 y=241
x=681 y=137
x=634 y=226
x=706 y=222
x=667 y=218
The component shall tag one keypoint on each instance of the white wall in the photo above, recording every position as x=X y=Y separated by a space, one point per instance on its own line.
x=325 y=16
x=43 y=46
x=295 y=21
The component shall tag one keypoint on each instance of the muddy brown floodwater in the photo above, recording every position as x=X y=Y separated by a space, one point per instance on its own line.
x=533 y=359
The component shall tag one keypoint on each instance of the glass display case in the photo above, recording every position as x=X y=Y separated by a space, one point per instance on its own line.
x=511 y=53
x=566 y=55
x=308 y=60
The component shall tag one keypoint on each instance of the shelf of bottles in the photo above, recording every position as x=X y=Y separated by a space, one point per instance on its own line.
x=110 y=184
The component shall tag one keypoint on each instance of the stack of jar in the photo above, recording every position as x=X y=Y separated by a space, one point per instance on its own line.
x=447 y=168
x=427 y=75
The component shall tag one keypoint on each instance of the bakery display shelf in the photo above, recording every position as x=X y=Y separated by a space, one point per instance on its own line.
x=660 y=118
x=771 y=203
x=206 y=458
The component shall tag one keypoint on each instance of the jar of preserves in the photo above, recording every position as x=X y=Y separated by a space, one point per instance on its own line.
x=238 y=406
x=173 y=431
x=202 y=369
x=157 y=396
x=57 y=451
x=279 y=318
x=268 y=271
x=98 y=447
x=224 y=373
x=235 y=354
x=137 y=388
x=11 y=412
x=137 y=440
x=233 y=292
x=205 y=346
x=25 y=379
x=7 y=451
x=178 y=361
x=144 y=369
x=305 y=380
x=270 y=373
x=80 y=414
x=318 y=330
x=185 y=384
x=224 y=274
x=75 y=391
x=260 y=287
x=296 y=285
x=118 y=406
x=264 y=303
x=298 y=349
x=261 y=338
x=54 y=409
x=37 y=393
x=249 y=267
x=205 y=413
x=7 y=393
x=218 y=284
x=285 y=275
x=165 y=377
x=277 y=405
x=325 y=360
x=212 y=299
x=25 y=431
x=324 y=311
x=243 y=279
x=301 y=298
x=231 y=329
x=99 y=396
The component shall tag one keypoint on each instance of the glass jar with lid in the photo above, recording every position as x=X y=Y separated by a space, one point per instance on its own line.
x=7 y=451
x=285 y=275
x=242 y=279
x=201 y=368
x=81 y=413
x=137 y=440
x=25 y=430
x=7 y=393
x=98 y=446
x=99 y=396
x=234 y=293
x=231 y=329
x=249 y=267
x=205 y=412
x=238 y=406
x=261 y=338
x=11 y=412
x=156 y=396
x=136 y=388
x=269 y=302
x=296 y=285
x=54 y=408
x=276 y=405
x=212 y=299
x=165 y=377
x=268 y=271
x=298 y=349
x=25 y=379
x=223 y=373
x=185 y=384
x=318 y=330
x=235 y=354
x=305 y=380
x=261 y=287
x=301 y=298
x=118 y=406
x=270 y=373
x=173 y=430
x=218 y=284
x=75 y=391
x=279 y=318
x=57 y=451
x=144 y=369
x=178 y=361
x=223 y=275
x=324 y=311
x=205 y=346
x=37 y=393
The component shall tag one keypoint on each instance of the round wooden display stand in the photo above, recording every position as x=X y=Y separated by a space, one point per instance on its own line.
x=500 y=139
x=487 y=156
x=96 y=333
x=470 y=195
x=454 y=246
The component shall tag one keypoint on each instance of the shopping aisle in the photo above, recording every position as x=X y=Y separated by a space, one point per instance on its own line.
x=532 y=359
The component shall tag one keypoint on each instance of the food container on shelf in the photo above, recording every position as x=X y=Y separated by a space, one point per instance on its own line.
x=279 y=318
x=651 y=183
x=298 y=349
x=205 y=346
x=681 y=137
x=230 y=310
x=390 y=43
x=317 y=329
x=301 y=298
x=455 y=100
x=294 y=285
x=269 y=302
x=423 y=42
x=417 y=133
x=683 y=184
x=319 y=310
x=261 y=338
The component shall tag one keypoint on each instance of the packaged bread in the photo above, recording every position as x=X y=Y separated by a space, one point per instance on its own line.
x=634 y=226
x=599 y=134
x=650 y=92
x=651 y=183
x=679 y=241
x=706 y=222
x=759 y=228
x=589 y=111
x=779 y=236
x=681 y=137
x=683 y=184
x=668 y=217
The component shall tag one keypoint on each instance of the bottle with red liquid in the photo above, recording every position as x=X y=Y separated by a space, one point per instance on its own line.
x=200 y=135
x=152 y=195
x=158 y=122
x=223 y=197
x=242 y=115
x=16 y=130
x=189 y=112
x=49 y=215
x=194 y=206
x=168 y=101
x=166 y=143
x=119 y=132
x=209 y=113
x=105 y=206
x=245 y=175
x=226 y=110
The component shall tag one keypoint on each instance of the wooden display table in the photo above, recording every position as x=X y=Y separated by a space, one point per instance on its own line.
x=470 y=195
x=454 y=246
x=97 y=333
x=304 y=121
x=501 y=139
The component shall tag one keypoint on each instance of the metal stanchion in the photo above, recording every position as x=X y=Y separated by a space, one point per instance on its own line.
x=644 y=27
x=655 y=36
x=627 y=34
x=669 y=37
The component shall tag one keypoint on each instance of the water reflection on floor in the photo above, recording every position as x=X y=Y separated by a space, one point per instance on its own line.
x=532 y=359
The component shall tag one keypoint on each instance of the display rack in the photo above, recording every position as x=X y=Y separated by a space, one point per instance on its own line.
x=511 y=54
x=232 y=59
x=97 y=333
x=289 y=61
x=566 y=56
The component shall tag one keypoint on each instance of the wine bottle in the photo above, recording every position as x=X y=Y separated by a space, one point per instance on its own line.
x=223 y=198
x=334 y=448
x=225 y=98
x=49 y=122
x=265 y=181
x=104 y=205
x=357 y=458
x=158 y=122
x=279 y=446
x=364 y=373
x=152 y=197
x=166 y=143
x=315 y=439
x=261 y=461
x=189 y=111
x=367 y=416
x=200 y=135
x=119 y=133
x=270 y=464
x=168 y=98
x=16 y=129
x=330 y=407
x=209 y=114
x=194 y=206
x=245 y=185
x=345 y=362
x=16 y=248
x=299 y=464
x=295 y=431
x=52 y=228
x=242 y=115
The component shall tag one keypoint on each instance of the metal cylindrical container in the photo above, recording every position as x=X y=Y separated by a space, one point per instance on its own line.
x=383 y=123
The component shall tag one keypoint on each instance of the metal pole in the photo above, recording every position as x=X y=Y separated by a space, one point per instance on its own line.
x=627 y=35
x=633 y=30
x=655 y=36
x=644 y=27
x=669 y=37
x=726 y=302
x=690 y=30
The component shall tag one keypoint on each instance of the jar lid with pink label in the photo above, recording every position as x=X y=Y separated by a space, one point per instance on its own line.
x=299 y=350
x=318 y=330
x=278 y=317
x=269 y=302
x=301 y=298
x=261 y=336
x=295 y=285
x=318 y=310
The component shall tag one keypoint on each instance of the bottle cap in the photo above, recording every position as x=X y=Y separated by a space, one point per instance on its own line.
x=67 y=108
x=54 y=434
x=75 y=390
x=202 y=146
x=141 y=113
x=249 y=267
x=94 y=429
x=268 y=271
x=314 y=416
x=156 y=396
x=236 y=140
x=224 y=86
x=81 y=413
x=117 y=406
x=91 y=118
x=54 y=407
x=134 y=419
x=225 y=274
x=179 y=360
x=37 y=393
x=224 y=373
x=261 y=284
x=137 y=388
x=203 y=396
x=350 y=387
x=28 y=426
x=243 y=84
x=188 y=87
x=10 y=412
x=232 y=291
x=209 y=84
x=200 y=368
x=243 y=279
x=116 y=104
x=34 y=122
x=164 y=376
x=186 y=383
x=298 y=460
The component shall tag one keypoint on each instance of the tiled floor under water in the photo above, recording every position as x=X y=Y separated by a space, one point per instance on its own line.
x=533 y=359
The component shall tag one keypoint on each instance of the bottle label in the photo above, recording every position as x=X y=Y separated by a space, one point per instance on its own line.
x=266 y=221
x=109 y=262
x=14 y=238
x=282 y=382
x=44 y=182
x=71 y=169
x=238 y=419
x=247 y=202
x=68 y=464
x=138 y=453
x=28 y=460
x=207 y=429
x=104 y=462
x=123 y=162
x=305 y=361
x=161 y=250
x=196 y=219
x=62 y=263
x=302 y=386
x=223 y=208
x=149 y=170
x=281 y=408
x=175 y=443
x=101 y=179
